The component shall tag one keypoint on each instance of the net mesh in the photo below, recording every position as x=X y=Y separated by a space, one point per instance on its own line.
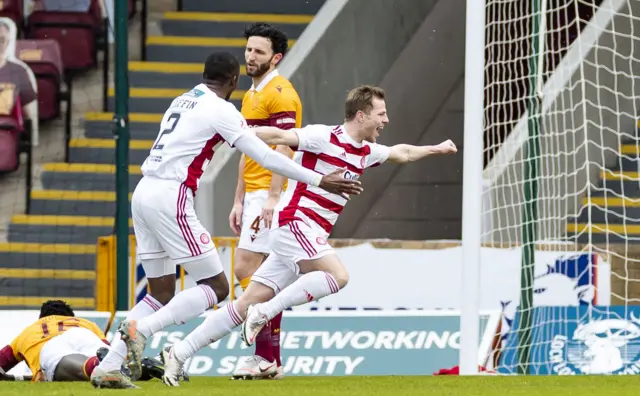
x=587 y=178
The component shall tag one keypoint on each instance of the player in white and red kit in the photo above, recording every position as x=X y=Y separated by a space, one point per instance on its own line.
x=303 y=267
x=167 y=229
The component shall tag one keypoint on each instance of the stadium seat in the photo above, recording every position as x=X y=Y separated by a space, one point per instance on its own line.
x=75 y=33
x=9 y=144
x=132 y=9
x=12 y=143
x=14 y=10
x=44 y=59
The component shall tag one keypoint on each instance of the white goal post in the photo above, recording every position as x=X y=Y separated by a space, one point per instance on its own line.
x=587 y=171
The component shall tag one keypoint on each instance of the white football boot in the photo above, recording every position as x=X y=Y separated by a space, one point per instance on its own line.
x=255 y=367
x=172 y=367
x=255 y=321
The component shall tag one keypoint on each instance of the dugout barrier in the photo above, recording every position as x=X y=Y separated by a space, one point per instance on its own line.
x=106 y=279
x=616 y=287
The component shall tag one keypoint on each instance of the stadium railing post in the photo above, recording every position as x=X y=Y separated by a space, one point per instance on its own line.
x=121 y=124
x=105 y=64
x=530 y=187
x=472 y=186
x=143 y=30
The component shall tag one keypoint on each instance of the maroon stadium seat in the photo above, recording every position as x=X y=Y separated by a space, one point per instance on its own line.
x=44 y=59
x=132 y=8
x=74 y=32
x=14 y=10
x=11 y=126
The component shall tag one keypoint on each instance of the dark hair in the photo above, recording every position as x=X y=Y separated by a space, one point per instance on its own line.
x=278 y=38
x=56 y=307
x=221 y=66
x=361 y=99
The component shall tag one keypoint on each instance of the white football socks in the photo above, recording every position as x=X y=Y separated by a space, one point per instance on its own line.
x=186 y=305
x=309 y=287
x=118 y=350
x=217 y=324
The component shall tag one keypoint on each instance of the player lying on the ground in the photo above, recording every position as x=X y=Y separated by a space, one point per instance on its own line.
x=60 y=347
x=302 y=266
x=168 y=231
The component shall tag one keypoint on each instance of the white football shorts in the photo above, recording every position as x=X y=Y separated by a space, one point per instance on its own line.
x=254 y=236
x=74 y=341
x=166 y=225
x=290 y=244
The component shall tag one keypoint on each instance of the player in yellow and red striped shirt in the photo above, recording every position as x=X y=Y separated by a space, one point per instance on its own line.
x=271 y=101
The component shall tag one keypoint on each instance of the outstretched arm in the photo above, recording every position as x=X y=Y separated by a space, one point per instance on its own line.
x=250 y=145
x=277 y=136
x=404 y=153
x=8 y=361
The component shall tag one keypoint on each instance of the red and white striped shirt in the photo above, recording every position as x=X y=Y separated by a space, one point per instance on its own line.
x=324 y=149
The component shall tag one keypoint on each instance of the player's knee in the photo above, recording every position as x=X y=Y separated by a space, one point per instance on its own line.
x=241 y=270
x=218 y=284
x=341 y=276
x=246 y=263
x=162 y=296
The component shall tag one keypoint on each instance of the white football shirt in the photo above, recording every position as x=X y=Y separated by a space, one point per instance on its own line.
x=325 y=149
x=190 y=130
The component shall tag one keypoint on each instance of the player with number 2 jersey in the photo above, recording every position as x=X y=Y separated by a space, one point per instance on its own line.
x=166 y=227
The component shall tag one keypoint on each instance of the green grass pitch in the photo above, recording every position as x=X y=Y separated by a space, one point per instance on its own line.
x=356 y=386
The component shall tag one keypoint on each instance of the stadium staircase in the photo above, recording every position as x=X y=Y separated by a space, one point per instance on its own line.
x=55 y=244
x=614 y=203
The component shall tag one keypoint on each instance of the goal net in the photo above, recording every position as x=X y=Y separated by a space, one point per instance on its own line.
x=561 y=182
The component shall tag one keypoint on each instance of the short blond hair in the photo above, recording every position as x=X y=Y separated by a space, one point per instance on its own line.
x=361 y=99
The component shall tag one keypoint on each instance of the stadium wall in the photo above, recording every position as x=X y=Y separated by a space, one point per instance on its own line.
x=349 y=42
x=601 y=108
x=425 y=98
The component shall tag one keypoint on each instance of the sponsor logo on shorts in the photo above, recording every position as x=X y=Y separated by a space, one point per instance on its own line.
x=253 y=238
x=204 y=238
x=320 y=241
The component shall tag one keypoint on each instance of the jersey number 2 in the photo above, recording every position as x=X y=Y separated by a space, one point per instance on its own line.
x=173 y=122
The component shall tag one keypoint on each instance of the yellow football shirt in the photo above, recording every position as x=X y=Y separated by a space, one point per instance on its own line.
x=275 y=104
x=28 y=344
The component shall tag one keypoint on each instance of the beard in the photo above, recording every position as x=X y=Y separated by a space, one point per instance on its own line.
x=261 y=69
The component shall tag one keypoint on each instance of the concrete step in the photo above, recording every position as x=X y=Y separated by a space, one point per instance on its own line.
x=34 y=302
x=60 y=229
x=193 y=49
x=612 y=210
x=206 y=24
x=254 y=6
x=157 y=100
x=18 y=282
x=617 y=182
x=601 y=233
x=173 y=75
x=74 y=203
x=142 y=126
x=49 y=257
x=85 y=177
x=102 y=151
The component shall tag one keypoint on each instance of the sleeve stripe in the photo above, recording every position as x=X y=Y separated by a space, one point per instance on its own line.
x=7 y=358
x=283 y=119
